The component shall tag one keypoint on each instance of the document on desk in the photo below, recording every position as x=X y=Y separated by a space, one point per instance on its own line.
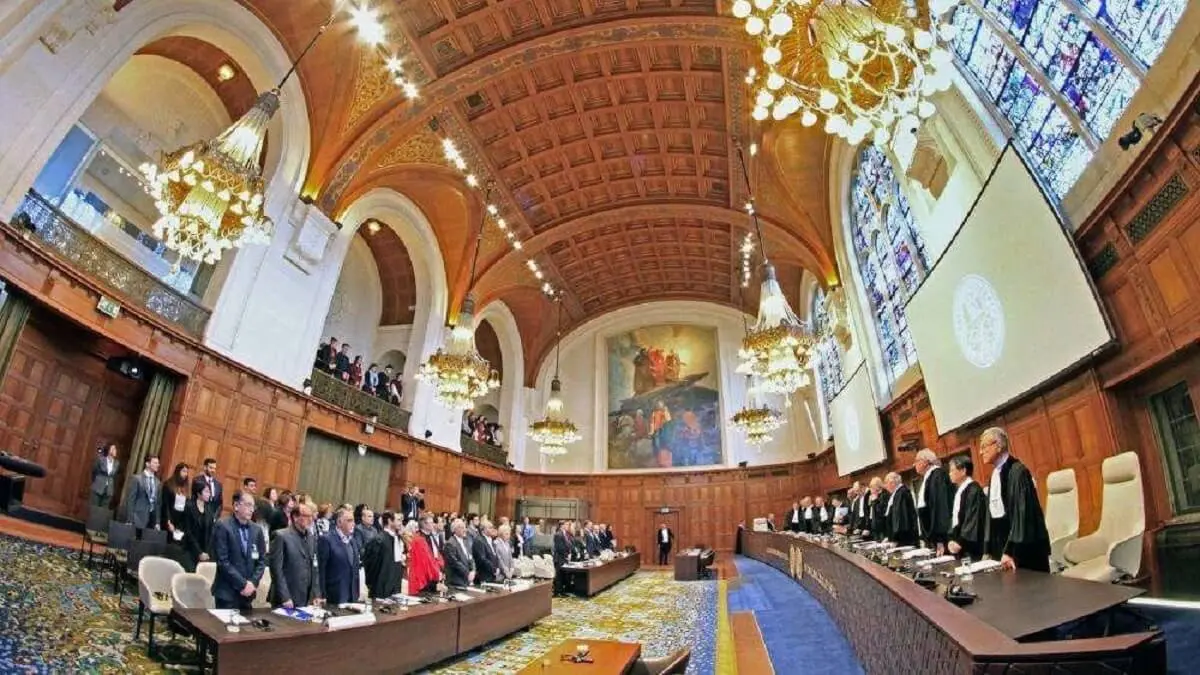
x=938 y=560
x=230 y=616
x=917 y=553
x=293 y=613
x=977 y=567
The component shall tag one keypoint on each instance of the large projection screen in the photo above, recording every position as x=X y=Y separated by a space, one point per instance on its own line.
x=1007 y=307
x=857 y=431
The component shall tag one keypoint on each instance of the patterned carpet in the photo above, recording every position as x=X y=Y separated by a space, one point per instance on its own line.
x=57 y=617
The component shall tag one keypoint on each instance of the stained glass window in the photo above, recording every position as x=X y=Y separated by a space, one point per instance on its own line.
x=1087 y=80
x=828 y=353
x=890 y=254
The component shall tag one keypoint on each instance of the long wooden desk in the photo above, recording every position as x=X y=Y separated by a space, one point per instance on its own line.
x=593 y=579
x=896 y=626
x=608 y=658
x=403 y=642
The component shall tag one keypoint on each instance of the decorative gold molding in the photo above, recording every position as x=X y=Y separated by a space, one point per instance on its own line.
x=423 y=147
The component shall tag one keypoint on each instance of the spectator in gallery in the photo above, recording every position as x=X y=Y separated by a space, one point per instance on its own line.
x=383 y=384
x=327 y=356
x=356 y=372
x=371 y=379
x=342 y=363
x=395 y=390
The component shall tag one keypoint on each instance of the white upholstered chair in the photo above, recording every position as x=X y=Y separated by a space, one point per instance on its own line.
x=208 y=570
x=264 y=588
x=1062 y=512
x=1115 y=548
x=154 y=592
x=191 y=591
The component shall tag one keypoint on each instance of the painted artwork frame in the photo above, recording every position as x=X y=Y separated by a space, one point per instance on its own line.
x=663 y=398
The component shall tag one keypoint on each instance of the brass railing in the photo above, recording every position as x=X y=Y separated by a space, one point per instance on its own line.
x=484 y=451
x=332 y=390
x=82 y=250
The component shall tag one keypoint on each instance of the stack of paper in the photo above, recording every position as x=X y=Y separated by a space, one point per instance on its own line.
x=230 y=616
x=977 y=567
x=917 y=553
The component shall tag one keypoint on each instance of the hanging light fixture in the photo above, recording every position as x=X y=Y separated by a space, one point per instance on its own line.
x=554 y=432
x=210 y=194
x=457 y=371
x=756 y=420
x=777 y=348
x=868 y=67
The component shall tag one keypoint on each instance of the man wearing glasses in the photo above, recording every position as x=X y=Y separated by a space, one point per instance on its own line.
x=1017 y=533
x=294 y=565
x=241 y=553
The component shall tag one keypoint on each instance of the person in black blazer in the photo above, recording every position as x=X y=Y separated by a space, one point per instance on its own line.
x=460 y=564
x=216 y=492
x=338 y=561
x=933 y=501
x=877 y=520
x=411 y=504
x=199 y=517
x=241 y=552
x=901 y=512
x=104 y=476
x=484 y=553
x=665 y=539
x=793 y=521
x=968 y=526
x=822 y=517
x=295 y=575
x=382 y=569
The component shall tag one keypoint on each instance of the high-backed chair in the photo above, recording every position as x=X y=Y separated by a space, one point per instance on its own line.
x=1115 y=548
x=155 y=575
x=95 y=531
x=208 y=570
x=672 y=664
x=264 y=590
x=1062 y=512
x=191 y=591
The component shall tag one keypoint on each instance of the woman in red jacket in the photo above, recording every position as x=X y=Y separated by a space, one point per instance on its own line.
x=425 y=559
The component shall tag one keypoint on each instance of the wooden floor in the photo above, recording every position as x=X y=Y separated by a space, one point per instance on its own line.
x=39 y=533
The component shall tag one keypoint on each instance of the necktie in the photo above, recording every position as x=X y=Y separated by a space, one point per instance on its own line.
x=244 y=533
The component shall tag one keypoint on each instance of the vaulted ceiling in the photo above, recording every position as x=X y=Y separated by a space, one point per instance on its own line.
x=608 y=127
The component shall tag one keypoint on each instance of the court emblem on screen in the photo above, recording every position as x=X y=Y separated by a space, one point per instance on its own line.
x=850 y=428
x=978 y=321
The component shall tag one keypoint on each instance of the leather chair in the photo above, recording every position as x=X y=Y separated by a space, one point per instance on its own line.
x=1115 y=548
x=1062 y=512
x=672 y=664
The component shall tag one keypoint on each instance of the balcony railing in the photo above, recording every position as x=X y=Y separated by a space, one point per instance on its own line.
x=332 y=390
x=129 y=282
x=488 y=453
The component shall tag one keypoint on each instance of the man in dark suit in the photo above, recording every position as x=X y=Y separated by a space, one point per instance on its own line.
x=384 y=557
x=933 y=501
x=411 y=504
x=144 y=490
x=1017 y=532
x=794 y=520
x=215 y=490
x=104 y=476
x=460 y=564
x=240 y=549
x=665 y=539
x=483 y=550
x=342 y=363
x=591 y=540
x=561 y=553
x=295 y=580
x=326 y=355
x=901 y=511
x=338 y=561
x=968 y=524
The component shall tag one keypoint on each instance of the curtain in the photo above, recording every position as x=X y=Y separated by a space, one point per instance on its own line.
x=323 y=468
x=487 y=499
x=331 y=470
x=13 y=314
x=151 y=426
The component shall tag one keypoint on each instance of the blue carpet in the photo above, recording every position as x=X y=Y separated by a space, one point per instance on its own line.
x=799 y=635
x=1182 y=629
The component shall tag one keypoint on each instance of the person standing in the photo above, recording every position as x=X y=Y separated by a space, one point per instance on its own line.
x=384 y=558
x=104 y=476
x=1017 y=533
x=216 y=492
x=901 y=511
x=240 y=549
x=338 y=561
x=143 y=496
x=295 y=575
x=968 y=524
x=198 y=521
x=460 y=564
x=933 y=501
x=665 y=538
x=425 y=559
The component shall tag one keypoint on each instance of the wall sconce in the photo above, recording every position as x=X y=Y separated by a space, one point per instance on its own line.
x=369 y=427
x=362 y=450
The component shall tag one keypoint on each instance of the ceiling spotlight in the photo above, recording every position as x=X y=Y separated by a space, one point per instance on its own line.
x=372 y=226
x=225 y=73
x=366 y=21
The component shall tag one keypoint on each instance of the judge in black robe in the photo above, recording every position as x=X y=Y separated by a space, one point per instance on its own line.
x=1017 y=528
x=794 y=520
x=968 y=525
x=933 y=501
x=901 y=512
x=855 y=520
x=877 y=525
x=822 y=517
x=379 y=562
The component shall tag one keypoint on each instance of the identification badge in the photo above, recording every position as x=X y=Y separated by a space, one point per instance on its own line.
x=314 y=561
x=254 y=553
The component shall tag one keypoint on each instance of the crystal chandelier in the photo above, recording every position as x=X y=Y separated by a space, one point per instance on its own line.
x=868 y=67
x=554 y=432
x=755 y=420
x=210 y=193
x=457 y=371
x=777 y=348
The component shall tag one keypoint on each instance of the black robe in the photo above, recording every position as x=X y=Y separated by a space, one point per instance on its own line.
x=1021 y=533
x=939 y=500
x=972 y=522
x=819 y=526
x=854 y=524
x=877 y=523
x=379 y=562
x=902 y=517
x=798 y=525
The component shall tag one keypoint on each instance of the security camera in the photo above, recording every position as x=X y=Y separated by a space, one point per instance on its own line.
x=1143 y=125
